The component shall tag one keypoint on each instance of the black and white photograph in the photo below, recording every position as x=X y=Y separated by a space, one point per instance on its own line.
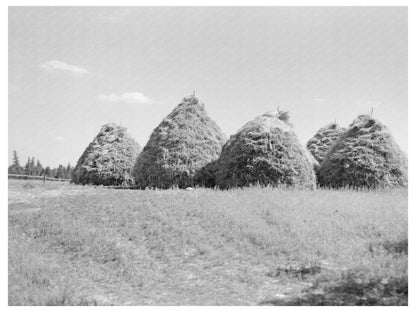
x=206 y=155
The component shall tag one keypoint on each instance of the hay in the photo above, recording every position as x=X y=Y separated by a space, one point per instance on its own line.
x=366 y=155
x=207 y=175
x=108 y=159
x=183 y=143
x=265 y=151
x=320 y=144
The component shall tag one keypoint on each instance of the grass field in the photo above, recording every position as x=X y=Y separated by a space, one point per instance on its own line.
x=75 y=245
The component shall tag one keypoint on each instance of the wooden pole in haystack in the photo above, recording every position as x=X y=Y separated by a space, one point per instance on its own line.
x=371 y=115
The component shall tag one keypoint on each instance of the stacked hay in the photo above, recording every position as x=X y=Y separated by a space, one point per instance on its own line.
x=108 y=159
x=207 y=175
x=320 y=144
x=366 y=155
x=265 y=151
x=181 y=145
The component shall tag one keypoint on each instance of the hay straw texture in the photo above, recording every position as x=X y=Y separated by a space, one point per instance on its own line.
x=180 y=146
x=320 y=144
x=265 y=151
x=366 y=155
x=108 y=159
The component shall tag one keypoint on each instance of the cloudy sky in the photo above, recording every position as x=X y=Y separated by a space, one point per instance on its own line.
x=72 y=70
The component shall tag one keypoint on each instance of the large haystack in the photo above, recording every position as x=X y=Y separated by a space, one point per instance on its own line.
x=265 y=151
x=109 y=158
x=183 y=143
x=320 y=144
x=367 y=156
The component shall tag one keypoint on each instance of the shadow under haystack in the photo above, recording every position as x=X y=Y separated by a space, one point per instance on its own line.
x=320 y=144
x=179 y=147
x=266 y=151
x=365 y=156
x=108 y=159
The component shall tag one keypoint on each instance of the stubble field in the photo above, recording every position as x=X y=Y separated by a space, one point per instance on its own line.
x=75 y=245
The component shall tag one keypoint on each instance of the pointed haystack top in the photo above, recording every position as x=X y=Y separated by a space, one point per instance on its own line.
x=320 y=144
x=265 y=151
x=108 y=159
x=184 y=142
x=366 y=155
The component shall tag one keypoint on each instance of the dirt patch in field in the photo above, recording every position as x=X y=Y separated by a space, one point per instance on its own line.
x=352 y=290
x=392 y=247
x=296 y=270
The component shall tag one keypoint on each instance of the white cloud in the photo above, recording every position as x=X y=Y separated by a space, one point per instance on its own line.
x=128 y=97
x=54 y=65
x=59 y=139
x=320 y=100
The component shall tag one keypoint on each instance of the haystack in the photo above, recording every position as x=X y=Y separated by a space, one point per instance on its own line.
x=320 y=144
x=265 y=151
x=366 y=155
x=180 y=146
x=108 y=159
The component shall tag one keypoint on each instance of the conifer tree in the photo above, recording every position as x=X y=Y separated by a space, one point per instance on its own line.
x=47 y=171
x=27 y=167
x=32 y=166
x=15 y=168
x=60 y=172
x=39 y=168
x=68 y=171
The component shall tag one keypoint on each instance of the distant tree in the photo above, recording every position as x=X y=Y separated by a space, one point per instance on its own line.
x=47 y=171
x=28 y=167
x=15 y=168
x=53 y=172
x=38 y=168
x=35 y=168
x=60 y=172
x=32 y=166
x=63 y=172
x=15 y=159
x=68 y=171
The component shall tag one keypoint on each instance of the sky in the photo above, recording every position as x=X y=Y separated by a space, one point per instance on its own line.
x=73 y=69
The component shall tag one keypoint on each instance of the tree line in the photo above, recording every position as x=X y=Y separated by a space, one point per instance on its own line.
x=33 y=168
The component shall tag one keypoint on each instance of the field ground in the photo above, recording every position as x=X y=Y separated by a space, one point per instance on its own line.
x=75 y=245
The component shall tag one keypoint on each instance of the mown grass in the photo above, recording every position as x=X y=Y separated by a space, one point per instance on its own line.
x=72 y=245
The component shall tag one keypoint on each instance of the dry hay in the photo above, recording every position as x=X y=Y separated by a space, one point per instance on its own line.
x=207 y=175
x=366 y=155
x=265 y=151
x=108 y=159
x=320 y=144
x=179 y=147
